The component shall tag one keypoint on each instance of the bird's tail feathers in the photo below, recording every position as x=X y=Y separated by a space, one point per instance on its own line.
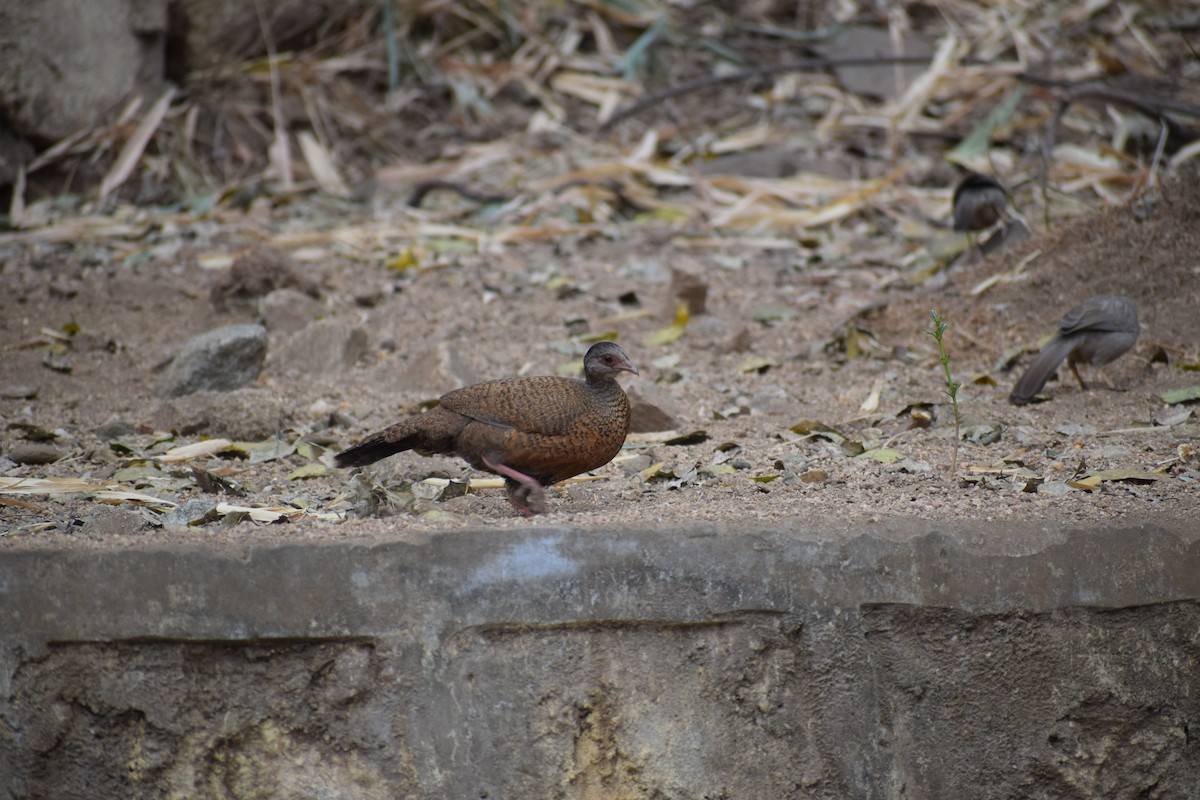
x=404 y=435
x=1039 y=371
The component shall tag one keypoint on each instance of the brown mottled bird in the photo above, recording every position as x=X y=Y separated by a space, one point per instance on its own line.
x=979 y=201
x=1097 y=331
x=530 y=431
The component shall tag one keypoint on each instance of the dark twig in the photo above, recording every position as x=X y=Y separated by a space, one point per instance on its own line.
x=802 y=65
x=425 y=187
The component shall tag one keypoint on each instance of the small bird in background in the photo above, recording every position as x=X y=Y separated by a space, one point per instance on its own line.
x=979 y=202
x=532 y=431
x=1097 y=331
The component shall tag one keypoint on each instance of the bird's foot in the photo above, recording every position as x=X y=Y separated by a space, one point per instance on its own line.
x=1108 y=382
x=1082 y=384
x=536 y=497
x=530 y=501
x=524 y=492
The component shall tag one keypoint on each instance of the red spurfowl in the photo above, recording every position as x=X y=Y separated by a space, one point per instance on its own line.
x=530 y=431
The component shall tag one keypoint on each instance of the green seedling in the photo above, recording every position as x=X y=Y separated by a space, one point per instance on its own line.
x=937 y=332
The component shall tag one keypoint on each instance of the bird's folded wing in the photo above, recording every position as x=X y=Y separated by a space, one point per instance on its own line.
x=1097 y=314
x=545 y=404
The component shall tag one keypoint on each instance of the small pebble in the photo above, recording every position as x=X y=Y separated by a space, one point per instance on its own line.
x=196 y=511
x=114 y=428
x=635 y=464
x=34 y=453
x=18 y=393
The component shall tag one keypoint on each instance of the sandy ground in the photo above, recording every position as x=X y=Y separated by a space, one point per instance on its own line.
x=762 y=363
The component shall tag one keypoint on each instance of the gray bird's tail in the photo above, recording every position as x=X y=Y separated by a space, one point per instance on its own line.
x=1039 y=371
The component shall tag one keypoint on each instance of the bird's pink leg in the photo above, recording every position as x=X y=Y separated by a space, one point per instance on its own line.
x=529 y=489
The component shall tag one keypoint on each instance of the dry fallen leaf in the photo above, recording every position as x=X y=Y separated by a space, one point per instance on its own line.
x=1092 y=481
x=105 y=492
x=670 y=333
x=883 y=455
x=262 y=514
x=204 y=449
x=1185 y=395
x=313 y=470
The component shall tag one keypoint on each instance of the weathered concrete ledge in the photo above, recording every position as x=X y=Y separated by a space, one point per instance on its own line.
x=699 y=663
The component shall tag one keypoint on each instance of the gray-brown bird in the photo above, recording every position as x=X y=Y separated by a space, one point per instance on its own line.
x=1097 y=331
x=532 y=431
x=979 y=202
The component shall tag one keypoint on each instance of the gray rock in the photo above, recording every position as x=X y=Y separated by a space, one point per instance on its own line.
x=34 y=453
x=286 y=310
x=65 y=64
x=772 y=399
x=220 y=360
x=651 y=407
x=256 y=273
x=875 y=41
x=191 y=512
x=434 y=371
x=114 y=428
x=326 y=347
x=690 y=287
x=636 y=464
x=248 y=415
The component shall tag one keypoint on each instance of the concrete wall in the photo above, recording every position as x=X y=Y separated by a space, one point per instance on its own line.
x=558 y=663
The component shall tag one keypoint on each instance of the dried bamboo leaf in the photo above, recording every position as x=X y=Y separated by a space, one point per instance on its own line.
x=871 y=404
x=757 y=135
x=320 y=164
x=908 y=106
x=59 y=149
x=204 y=449
x=633 y=13
x=594 y=89
x=131 y=153
x=48 y=485
x=260 y=513
x=1007 y=276
x=105 y=492
x=117 y=496
x=634 y=60
x=979 y=140
x=16 y=208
